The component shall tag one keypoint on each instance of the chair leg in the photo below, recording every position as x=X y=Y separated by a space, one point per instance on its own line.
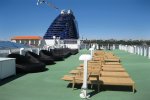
x=73 y=84
x=133 y=88
x=91 y=86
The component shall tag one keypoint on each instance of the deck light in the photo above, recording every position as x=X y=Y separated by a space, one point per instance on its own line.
x=85 y=58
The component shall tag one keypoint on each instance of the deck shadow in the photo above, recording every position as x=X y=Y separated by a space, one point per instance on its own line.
x=111 y=88
x=11 y=78
x=18 y=75
x=103 y=88
x=52 y=63
x=43 y=70
x=76 y=87
x=116 y=88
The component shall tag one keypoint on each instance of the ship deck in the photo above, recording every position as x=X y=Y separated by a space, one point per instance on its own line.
x=48 y=85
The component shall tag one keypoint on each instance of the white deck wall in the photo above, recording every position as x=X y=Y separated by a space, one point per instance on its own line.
x=149 y=52
x=7 y=67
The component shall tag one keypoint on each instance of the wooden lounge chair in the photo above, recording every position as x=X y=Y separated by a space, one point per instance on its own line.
x=117 y=81
x=103 y=73
x=78 y=72
x=112 y=63
x=113 y=69
x=67 y=77
x=111 y=60
x=110 y=68
x=92 y=79
x=114 y=74
x=74 y=71
x=90 y=68
x=113 y=66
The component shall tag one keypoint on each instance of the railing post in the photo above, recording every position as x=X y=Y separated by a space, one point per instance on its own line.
x=149 y=52
x=21 y=51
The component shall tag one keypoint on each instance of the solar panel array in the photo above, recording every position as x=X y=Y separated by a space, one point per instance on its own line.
x=11 y=45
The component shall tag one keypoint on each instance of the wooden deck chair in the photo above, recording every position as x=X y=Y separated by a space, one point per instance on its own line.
x=118 y=81
x=74 y=71
x=112 y=63
x=98 y=65
x=94 y=69
x=74 y=79
x=111 y=60
x=113 y=66
x=92 y=61
x=104 y=61
x=113 y=69
x=113 y=74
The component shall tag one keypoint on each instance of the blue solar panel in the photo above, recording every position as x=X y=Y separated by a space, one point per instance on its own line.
x=8 y=44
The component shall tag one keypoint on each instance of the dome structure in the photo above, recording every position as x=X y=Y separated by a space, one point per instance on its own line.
x=63 y=27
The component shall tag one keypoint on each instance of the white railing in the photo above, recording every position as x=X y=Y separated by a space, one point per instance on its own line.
x=139 y=50
x=22 y=51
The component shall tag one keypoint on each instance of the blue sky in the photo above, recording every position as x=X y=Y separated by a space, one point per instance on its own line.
x=97 y=19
